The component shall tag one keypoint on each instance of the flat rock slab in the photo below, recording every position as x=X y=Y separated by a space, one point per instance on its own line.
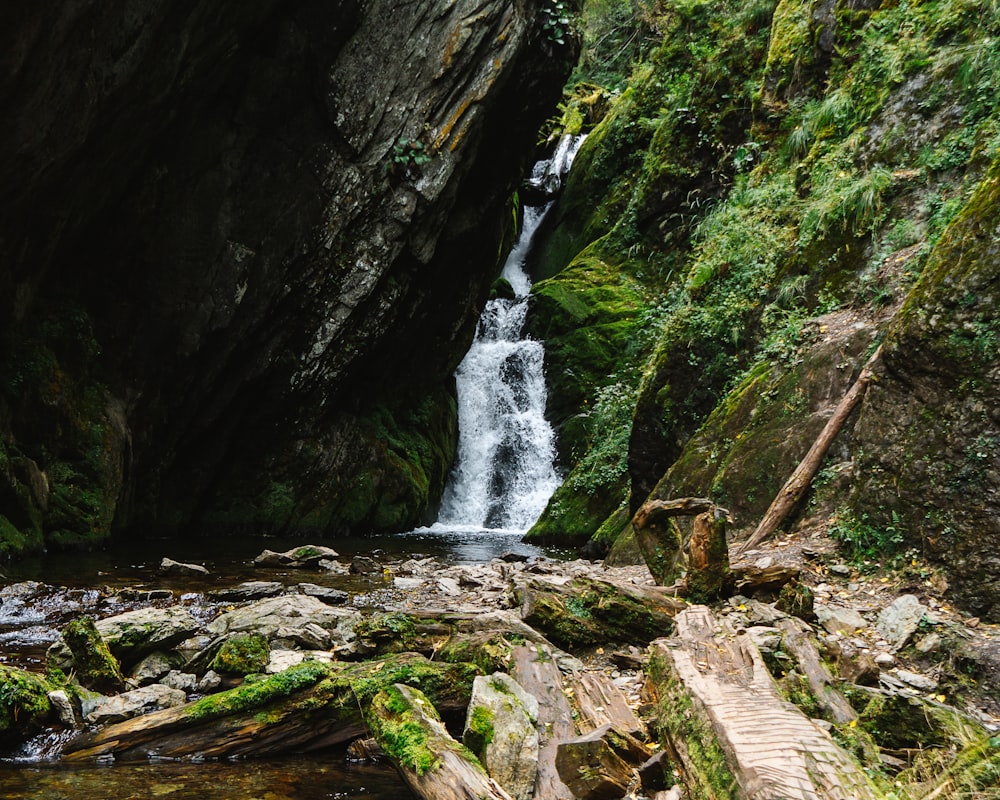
x=171 y=567
x=249 y=590
x=132 y=704
x=297 y=618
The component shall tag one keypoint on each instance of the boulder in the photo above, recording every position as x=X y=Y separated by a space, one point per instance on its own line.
x=153 y=667
x=249 y=590
x=170 y=567
x=298 y=619
x=62 y=706
x=135 y=634
x=182 y=681
x=365 y=565
x=305 y=557
x=93 y=664
x=602 y=764
x=500 y=731
x=900 y=620
x=134 y=703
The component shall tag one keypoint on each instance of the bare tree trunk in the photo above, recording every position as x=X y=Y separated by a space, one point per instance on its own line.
x=795 y=487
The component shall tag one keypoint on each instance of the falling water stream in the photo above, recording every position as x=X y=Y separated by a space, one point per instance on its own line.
x=505 y=468
x=503 y=477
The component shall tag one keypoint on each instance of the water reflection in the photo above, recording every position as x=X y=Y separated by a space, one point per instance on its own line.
x=314 y=778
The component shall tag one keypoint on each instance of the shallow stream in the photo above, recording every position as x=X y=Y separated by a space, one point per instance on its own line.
x=27 y=628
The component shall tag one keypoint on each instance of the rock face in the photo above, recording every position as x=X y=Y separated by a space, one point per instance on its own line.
x=244 y=242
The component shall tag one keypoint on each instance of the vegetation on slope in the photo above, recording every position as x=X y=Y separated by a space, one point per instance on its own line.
x=766 y=164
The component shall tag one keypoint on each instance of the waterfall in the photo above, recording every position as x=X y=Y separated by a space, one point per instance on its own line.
x=504 y=472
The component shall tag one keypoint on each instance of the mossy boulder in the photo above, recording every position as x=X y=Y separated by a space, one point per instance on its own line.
x=243 y=654
x=93 y=664
x=587 y=316
x=759 y=432
x=24 y=704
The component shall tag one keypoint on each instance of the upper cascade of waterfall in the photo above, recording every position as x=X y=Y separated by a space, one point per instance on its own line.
x=505 y=471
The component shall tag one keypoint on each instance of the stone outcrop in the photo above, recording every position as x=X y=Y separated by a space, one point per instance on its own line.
x=226 y=226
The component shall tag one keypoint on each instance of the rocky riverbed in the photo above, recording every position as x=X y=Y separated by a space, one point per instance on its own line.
x=884 y=631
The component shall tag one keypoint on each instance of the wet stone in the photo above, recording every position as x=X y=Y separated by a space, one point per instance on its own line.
x=249 y=590
x=171 y=567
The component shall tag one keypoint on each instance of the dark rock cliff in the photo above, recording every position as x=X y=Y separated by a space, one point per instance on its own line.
x=243 y=247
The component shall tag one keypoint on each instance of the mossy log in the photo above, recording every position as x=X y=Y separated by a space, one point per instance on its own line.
x=306 y=707
x=730 y=728
x=800 y=643
x=588 y=611
x=435 y=766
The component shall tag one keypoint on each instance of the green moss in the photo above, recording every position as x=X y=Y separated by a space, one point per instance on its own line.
x=24 y=703
x=244 y=654
x=479 y=730
x=253 y=696
x=491 y=652
x=94 y=665
x=400 y=734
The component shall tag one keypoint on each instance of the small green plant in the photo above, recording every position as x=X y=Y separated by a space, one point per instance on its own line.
x=408 y=156
x=555 y=21
x=865 y=541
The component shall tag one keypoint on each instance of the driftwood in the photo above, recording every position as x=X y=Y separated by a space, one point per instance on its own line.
x=587 y=611
x=795 y=487
x=664 y=545
x=306 y=707
x=601 y=764
x=721 y=710
x=435 y=766
x=799 y=642
x=598 y=701
x=536 y=671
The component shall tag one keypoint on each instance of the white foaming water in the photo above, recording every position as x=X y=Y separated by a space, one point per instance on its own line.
x=504 y=472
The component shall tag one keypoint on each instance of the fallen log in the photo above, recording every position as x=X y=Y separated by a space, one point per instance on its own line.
x=795 y=487
x=534 y=668
x=587 y=611
x=435 y=766
x=729 y=726
x=306 y=707
x=799 y=642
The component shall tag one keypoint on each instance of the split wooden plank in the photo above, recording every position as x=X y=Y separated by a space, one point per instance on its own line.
x=534 y=667
x=715 y=689
x=599 y=702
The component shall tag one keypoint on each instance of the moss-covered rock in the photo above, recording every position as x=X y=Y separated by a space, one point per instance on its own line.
x=244 y=654
x=24 y=704
x=93 y=664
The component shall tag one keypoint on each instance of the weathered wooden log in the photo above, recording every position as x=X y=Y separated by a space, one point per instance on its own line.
x=435 y=766
x=587 y=611
x=305 y=707
x=660 y=538
x=708 y=557
x=729 y=726
x=601 y=764
x=800 y=643
x=534 y=668
x=797 y=484
x=598 y=702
